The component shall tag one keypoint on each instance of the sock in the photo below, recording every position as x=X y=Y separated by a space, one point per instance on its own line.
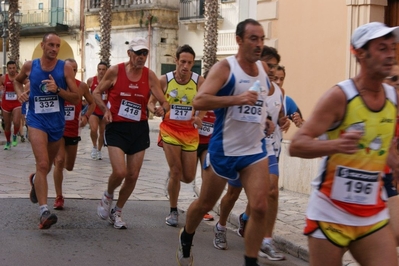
x=251 y=261
x=117 y=209
x=16 y=130
x=43 y=208
x=111 y=196
x=245 y=217
x=267 y=240
x=220 y=227
x=173 y=209
x=186 y=242
x=33 y=179
x=8 y=135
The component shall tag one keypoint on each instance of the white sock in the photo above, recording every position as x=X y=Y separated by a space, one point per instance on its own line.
x=220 y=227
x=267 y=240
x=43 y=208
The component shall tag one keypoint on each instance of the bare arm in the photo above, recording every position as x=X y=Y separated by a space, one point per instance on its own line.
x=330 y=109
x=106 y=82
x=23 y=95
x=89 y=81
x=90 y=101
x=206 y=98
x=157 y=87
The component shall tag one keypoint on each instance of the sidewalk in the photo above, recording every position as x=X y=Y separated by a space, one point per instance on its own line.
x=89 y=179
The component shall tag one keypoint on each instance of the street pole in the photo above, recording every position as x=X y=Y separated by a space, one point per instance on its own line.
x=4 y=36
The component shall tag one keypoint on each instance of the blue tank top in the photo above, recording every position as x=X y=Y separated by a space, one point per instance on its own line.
x=46 y=109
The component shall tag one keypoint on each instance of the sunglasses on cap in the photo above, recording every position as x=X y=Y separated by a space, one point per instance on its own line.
x=140 y=52
x=393 y=78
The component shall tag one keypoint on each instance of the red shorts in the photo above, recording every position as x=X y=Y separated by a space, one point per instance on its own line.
x=9 y=106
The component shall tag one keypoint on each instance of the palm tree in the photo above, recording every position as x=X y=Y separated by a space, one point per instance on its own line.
x=14 y=30
x=211 y=33
x=105 y=30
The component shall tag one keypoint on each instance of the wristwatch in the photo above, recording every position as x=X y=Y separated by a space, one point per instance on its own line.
x=58 y=90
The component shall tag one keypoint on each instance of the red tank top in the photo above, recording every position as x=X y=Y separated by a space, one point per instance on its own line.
x=127 y=100
x=9 y=93
x=104 y=96
x=205 y=132
x=72 y=115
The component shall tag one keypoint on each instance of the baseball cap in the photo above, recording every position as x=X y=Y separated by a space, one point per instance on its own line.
x=138 y=43
x=371 y=31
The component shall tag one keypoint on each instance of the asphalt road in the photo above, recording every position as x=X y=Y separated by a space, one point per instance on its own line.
x=81 y=238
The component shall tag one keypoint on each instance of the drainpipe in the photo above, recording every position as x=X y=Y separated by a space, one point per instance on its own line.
x=82 y=48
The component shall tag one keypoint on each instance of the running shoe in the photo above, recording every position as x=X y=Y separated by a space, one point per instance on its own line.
x=181 y=260
x=220 y=239
x=94 y=153
x=47 y=220
x=14 y=140
x=115 y=218
x=7 y=147
x=32 y=194
x=59 y=203
x=104 y=207
x=172 y=219
x=270 y=252
x=208 y=217
x=99 y=156
x=242 y=223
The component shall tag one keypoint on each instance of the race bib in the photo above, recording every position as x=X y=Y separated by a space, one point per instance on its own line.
x=181 y=112
x=46 y=104
x=206 y=129
x=248 y=113
x=104 y=96
x=355 y=186
x=69 y=112
x=11 y=96
x=130 y=110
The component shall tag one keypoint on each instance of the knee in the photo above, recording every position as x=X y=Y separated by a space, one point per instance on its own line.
x=119 y=173
x=43 y=167
x=273 y=193
x=258 y=208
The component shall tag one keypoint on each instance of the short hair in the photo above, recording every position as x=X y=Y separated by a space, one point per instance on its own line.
x=70 y=60
x=11 y=62
x=269 y=53
x=48 y=34
x=184 y=49
x=102 y=63
x=281 y=68
x=240 y=30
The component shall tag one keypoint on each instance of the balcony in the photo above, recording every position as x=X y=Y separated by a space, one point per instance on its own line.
x=227 y=44
x=40 y=21
x=192 y=13
x=95 y=4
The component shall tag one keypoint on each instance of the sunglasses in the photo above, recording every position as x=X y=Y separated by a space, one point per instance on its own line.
x=141 y=52
x=393 y=78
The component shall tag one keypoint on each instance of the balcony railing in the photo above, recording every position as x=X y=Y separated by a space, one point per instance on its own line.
x=120 y=3
x=227 y=42
x=194 y=9
x=47 y=17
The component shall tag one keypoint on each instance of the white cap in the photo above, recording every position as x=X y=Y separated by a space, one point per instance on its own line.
x=371 y=31
x=138 y=43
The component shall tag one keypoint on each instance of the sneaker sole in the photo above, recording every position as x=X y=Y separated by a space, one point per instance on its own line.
x=59 y=208
x=170 y=224
x=52 y=219
x=217 y=247
x=264 y=255
x=32 y=194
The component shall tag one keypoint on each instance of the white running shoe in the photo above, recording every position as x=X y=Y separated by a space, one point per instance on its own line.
x=104 y=207
x=94 y=152
x=270 y=252
x=115 y=218
x=220 y=239
x=99 y=156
